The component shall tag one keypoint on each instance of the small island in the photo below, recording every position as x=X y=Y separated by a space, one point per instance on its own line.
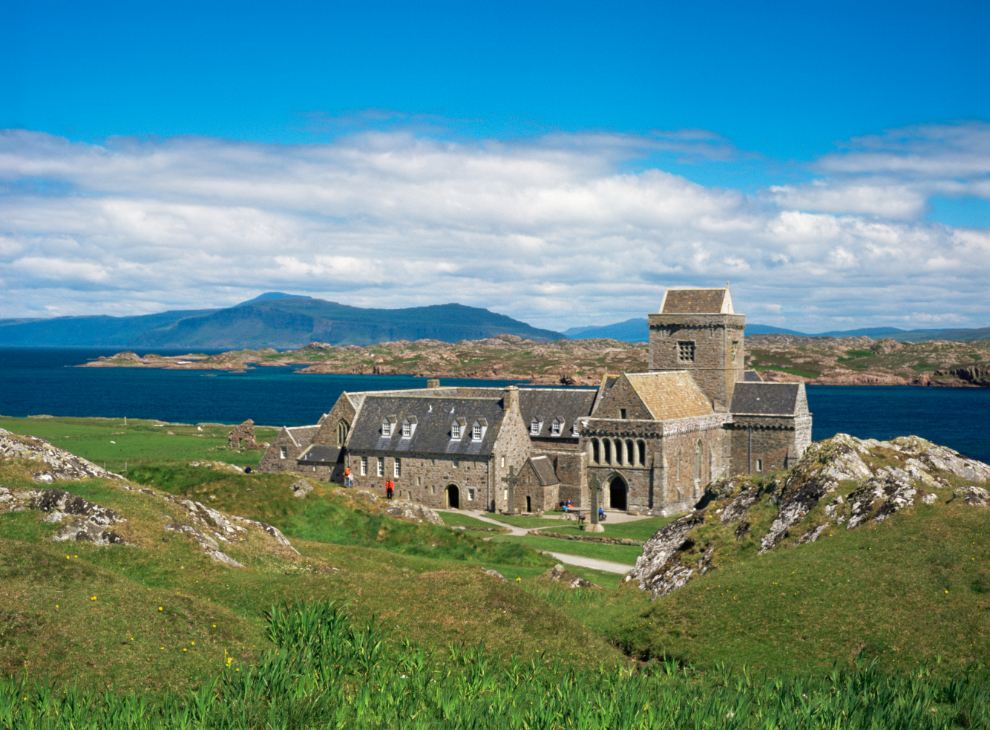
x=779 y=358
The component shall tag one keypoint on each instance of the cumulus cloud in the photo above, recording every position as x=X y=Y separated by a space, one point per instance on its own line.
x=894 y=175
x=554 y=230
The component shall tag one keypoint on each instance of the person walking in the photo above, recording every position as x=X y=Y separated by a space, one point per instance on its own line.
x=389 y=488
x=348 y=477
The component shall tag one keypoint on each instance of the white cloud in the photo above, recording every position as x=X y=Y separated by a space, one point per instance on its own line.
x=551 y=230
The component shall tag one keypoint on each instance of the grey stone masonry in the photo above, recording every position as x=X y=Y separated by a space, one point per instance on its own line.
x=709 y=346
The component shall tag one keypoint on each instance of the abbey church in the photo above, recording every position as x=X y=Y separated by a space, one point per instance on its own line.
x=652 y=439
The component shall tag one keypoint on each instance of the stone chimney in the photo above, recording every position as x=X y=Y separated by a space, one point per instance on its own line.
x=510 y=400
x=433 y=384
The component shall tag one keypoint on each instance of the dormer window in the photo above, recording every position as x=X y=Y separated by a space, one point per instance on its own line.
x=478 y=429
x=557 y=426
x=534 y=427
x=457 y=428
x=409 y=427
x=388 y=425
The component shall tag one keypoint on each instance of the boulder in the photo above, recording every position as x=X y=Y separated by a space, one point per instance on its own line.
x=301 y=488
x=559 y=575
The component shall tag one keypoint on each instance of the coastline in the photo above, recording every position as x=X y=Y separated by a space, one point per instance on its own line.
x=814 y=361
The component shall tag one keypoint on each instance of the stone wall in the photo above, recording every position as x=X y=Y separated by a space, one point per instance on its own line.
x=424 y=478
x=342 y=411
x=719 y=350
x=512 y=448
x=763 y=443
x=541 y=498
x=274 y=462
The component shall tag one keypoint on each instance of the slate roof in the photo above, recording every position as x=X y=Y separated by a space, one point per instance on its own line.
x=751 y=376
x=696 y=301
x=669 y=395
x=550 y=403
x=302 y=435
x=543 y=468
x=319 y=454
x=767 y=399
x=434 y=416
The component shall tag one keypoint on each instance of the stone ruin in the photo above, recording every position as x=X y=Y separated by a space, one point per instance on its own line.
x=242 y=437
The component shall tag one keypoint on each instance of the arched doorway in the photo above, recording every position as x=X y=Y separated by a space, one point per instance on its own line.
x=453 y=497
x=617 y=492
x=529 y=504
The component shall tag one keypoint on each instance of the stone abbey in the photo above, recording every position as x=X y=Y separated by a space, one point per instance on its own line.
x=652 y=439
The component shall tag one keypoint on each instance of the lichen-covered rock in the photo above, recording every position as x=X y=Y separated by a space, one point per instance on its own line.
x=559 y=575
x=218 y=466
x=973 y=496
x=211 y=529
x=86 y=530
x=496 y=575
x=59 y=505
x=399 y=507
x=301 y=488
x=855 y=481
x=58 y=464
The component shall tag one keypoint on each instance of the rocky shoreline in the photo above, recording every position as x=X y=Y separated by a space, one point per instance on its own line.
x=778 y=358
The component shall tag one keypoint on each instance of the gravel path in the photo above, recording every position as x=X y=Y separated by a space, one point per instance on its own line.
x=607 y=566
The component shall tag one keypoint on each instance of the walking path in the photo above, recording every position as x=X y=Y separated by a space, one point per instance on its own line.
x=605 y=565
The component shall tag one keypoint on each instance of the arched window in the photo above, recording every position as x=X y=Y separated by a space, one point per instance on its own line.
x=642 y=452
x=595 y=452
x=342 y=429
x=631 y=452
x=698 y=450
x=619 y=456
x=607 y=451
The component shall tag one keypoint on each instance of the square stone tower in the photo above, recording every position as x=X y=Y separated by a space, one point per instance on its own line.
x=697 y=330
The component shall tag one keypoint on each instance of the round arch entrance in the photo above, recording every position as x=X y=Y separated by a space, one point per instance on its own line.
x=618 y=493
x=453 y=496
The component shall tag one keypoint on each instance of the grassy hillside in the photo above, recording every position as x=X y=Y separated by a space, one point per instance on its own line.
x=882 y=626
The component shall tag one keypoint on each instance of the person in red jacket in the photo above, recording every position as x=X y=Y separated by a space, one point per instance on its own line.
x=389 y=488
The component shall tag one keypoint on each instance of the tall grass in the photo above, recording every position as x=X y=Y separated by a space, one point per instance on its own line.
x=329 y=673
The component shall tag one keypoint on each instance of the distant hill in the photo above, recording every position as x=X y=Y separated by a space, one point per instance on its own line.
x=893 y=333
x=271 y=320
x=638 y=330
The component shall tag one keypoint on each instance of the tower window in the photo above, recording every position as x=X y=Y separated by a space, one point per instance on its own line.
x=622 y=414
x=685 y=352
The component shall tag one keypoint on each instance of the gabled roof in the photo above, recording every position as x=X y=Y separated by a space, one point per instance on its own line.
x=769 y=399
x=543 y=468
x=546 y=404
x=697 y=301
x=434 y=416
x=751 y=376
x=319 y=454
x=669 y=395
x=302 y=435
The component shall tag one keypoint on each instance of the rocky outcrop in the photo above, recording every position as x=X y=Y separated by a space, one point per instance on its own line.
x=399 y=507
x=53 y=463
x=301 y=488
x=559 y=575
x=973 y=375
x=91 y=521
x=842 y=482
x=242 y=437
x=212 y=530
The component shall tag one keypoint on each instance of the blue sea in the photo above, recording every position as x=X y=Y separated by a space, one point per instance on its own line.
x=37 y=381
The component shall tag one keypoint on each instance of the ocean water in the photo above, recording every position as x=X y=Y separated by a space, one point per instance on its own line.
x=44 y=381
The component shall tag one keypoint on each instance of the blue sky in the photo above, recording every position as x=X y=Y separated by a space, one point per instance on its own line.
x=833 y=160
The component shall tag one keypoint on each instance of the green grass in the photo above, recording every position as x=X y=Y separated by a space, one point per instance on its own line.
x=906 y=592
x=330 y=671
x=107 y=441
x=326 y=515
x=452 y=519
x=623 y=554
x=525 y=521
x=633 y=530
